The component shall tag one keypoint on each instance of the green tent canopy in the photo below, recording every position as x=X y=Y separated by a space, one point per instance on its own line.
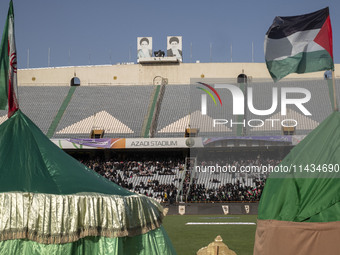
x=299 y=211
x=52 y=204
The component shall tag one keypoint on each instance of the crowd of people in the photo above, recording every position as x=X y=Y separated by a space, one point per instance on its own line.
x=123 y=172
x=227 y=192
x=188 y=188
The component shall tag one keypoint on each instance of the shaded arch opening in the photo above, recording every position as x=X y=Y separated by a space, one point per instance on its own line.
x=75 y=81
x=242 y=78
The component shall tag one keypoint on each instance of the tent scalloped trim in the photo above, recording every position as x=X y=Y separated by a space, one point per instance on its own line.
x=72 y=217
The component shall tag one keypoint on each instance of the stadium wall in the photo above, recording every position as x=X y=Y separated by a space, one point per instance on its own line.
x=147 y=74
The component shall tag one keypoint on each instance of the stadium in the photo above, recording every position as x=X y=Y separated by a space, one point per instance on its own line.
x=141 y=126
x=160 y=156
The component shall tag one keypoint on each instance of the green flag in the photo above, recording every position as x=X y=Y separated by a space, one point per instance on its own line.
x=8 y=66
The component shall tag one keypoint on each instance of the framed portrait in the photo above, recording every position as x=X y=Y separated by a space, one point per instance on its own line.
x=174 y=47
x=144 y=47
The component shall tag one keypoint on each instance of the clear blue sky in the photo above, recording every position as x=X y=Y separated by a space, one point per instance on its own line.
x=82 y=32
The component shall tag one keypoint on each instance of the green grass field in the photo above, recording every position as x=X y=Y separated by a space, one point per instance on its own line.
x=188 y=239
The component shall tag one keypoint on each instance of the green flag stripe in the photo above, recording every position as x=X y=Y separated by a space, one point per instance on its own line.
x=304 y=62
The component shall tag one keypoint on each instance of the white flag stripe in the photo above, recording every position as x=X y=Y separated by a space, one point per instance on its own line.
x=278 y=49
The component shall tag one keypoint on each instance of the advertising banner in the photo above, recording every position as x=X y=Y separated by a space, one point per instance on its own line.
x=284 y=139
x=103 y=143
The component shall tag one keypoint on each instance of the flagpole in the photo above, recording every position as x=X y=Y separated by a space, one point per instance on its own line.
x=252 y=52
x=334 y=92
x=191 y=52
x=28 y=57
x=49 y=57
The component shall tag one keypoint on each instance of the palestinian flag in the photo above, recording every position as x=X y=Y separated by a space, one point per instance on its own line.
x=299 y=211
x=299 y=44
x=8 y=66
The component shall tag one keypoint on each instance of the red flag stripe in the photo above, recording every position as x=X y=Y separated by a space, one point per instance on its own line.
x=324 y=37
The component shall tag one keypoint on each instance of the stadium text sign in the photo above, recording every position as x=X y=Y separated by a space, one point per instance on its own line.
x=141 y=143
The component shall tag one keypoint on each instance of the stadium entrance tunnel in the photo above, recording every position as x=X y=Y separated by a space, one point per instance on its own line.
x=75 y=81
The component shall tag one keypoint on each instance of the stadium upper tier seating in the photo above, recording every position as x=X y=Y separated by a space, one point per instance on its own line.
x=122 y=111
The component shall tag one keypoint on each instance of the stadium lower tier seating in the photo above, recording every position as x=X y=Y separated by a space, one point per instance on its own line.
x=173 y=180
